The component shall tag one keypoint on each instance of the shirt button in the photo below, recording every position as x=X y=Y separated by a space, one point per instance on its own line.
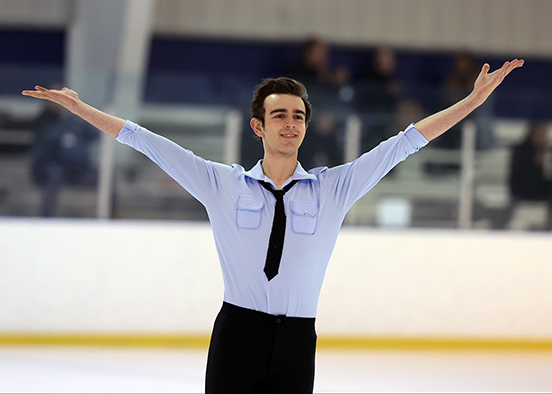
x=278 y=320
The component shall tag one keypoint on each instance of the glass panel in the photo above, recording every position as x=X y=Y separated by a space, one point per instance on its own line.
x=423 y=191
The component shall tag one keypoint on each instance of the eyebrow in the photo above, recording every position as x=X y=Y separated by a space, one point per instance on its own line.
x=297 y=111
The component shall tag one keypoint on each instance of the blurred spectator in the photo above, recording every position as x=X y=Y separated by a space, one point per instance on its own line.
x=315 y=66
x=327 y=89
x=459 y=85
x=382 y=88
x=379 y=98
x=530 y=163
x=60 y=154
x=321 y=148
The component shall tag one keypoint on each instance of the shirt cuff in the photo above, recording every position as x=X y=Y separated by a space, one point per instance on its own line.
x=128 y=129
x=415 y=136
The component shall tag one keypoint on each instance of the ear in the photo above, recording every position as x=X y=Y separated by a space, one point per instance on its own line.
x=257 y=127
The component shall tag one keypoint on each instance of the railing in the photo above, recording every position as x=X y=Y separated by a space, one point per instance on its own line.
x=433 y=188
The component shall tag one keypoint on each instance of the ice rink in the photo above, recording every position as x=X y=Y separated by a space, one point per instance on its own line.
x=156 y=370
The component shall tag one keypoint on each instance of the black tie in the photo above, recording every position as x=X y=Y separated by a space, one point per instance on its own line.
x=276 y=242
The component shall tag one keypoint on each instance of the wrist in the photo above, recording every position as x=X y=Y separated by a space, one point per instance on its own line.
x=76 y=106
x=474 y=100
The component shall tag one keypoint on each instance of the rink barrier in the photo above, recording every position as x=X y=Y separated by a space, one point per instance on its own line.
x=325 y=342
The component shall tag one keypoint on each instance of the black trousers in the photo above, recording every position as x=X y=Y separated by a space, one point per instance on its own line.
x=254 y=352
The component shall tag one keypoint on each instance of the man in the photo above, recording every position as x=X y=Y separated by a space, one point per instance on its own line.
x=264 y=338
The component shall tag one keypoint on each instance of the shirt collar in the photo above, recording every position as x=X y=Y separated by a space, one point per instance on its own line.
x=257 y=173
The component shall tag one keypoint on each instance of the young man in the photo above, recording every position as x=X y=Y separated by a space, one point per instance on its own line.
x=263 y=338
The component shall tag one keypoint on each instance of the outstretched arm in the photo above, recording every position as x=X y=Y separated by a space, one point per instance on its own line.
x=109 y=124
x=436 y=124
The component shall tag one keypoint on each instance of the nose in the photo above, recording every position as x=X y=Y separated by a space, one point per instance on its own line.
x=290 y=124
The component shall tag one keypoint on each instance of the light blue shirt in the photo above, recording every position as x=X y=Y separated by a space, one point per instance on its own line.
x=241 y=213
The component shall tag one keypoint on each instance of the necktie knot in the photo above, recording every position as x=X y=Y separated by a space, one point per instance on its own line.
x=279 y=194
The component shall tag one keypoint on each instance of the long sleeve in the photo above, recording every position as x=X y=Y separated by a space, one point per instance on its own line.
x=201 y=178
x=349 y=182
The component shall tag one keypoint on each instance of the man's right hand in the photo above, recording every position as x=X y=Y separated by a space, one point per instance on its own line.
x=109 y=124
x=65 y=97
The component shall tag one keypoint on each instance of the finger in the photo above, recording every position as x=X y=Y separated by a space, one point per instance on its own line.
x=512 y=65
x=37 y=89
x=31 y=93
x=485 y=69
x=515 y=64
x=505 y=69
x=39 y=92
x=518 y=63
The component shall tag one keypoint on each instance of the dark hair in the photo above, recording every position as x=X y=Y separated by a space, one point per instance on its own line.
x=281 y=85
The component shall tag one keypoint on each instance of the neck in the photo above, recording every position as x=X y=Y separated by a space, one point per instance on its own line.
x=279 y=169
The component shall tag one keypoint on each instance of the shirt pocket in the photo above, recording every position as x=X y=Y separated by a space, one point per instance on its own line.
x=304 y=218
x=248 y=212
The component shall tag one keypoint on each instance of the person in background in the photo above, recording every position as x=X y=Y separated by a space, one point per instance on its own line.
x=378 y=96
x=459 y=83
x=315 y=66
x=323 y=149
x=315 y=71
x=385 y=87
x=529 y=167
x=61 y=154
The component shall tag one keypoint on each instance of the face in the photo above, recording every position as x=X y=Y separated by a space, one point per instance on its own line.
x=284 y=125
x=385 y=61
x=318 y=54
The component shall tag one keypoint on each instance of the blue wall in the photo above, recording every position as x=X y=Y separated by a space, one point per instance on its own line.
x=210 y=71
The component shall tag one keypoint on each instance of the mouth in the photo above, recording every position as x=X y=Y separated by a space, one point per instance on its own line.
x=289 y=135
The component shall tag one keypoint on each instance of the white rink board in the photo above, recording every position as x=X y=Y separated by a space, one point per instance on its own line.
x=93 y=276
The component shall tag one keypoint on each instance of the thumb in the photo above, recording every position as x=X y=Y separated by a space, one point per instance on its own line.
x=485 y=69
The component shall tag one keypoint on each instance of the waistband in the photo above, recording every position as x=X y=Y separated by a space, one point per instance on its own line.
x=262 y=317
